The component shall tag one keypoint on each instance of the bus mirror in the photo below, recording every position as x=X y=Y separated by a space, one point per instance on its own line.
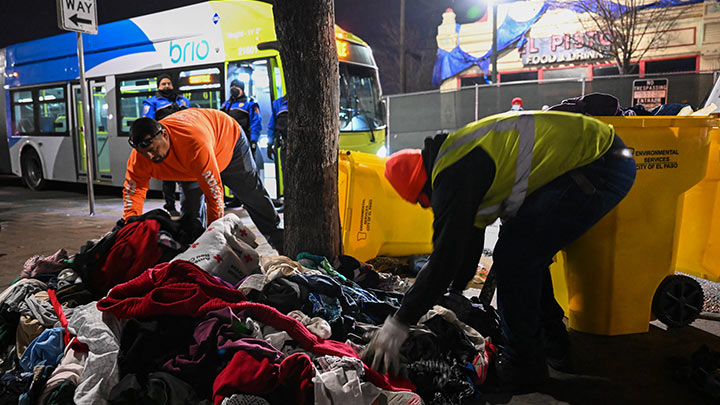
x=268 y=45
x=383 y=106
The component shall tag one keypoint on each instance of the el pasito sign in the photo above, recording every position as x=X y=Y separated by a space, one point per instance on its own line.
x=562 y=48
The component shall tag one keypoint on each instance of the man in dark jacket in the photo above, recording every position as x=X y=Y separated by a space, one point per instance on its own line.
x=550 y=176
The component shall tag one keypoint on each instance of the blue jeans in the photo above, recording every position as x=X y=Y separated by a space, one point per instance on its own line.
x=551 y=218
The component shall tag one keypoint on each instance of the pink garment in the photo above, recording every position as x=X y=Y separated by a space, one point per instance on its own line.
x=44 y=265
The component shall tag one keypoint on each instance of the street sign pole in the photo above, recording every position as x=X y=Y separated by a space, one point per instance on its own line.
x=87 y=127
x=81 y=16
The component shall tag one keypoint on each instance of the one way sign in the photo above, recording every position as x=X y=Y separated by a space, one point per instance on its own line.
x=77 y=15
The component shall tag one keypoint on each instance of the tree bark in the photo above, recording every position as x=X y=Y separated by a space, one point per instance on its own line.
x=306 y=35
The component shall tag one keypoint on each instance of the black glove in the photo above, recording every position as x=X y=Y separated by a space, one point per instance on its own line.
x=271 y=151
x=253 y=146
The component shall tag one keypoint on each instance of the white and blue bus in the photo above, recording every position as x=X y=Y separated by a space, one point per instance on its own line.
x=203 y=46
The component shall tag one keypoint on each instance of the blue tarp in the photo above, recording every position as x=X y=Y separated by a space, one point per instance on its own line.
x=619 y=9
x=449 y=64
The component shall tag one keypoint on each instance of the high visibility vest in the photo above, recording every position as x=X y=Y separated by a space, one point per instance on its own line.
x=530 y=149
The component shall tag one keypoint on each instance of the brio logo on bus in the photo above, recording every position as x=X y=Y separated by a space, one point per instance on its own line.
x=190 y=51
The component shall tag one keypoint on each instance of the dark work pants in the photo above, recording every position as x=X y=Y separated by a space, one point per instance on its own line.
x=168 y=189
x=192 y=200
x=242 y=178
x=259 y=163
x=550 y=219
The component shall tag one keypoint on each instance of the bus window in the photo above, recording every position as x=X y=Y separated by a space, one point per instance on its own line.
x=39 y=111
x=52 y=110
x=23 y=114
x=132 y=94
x=360 y=101
x=256 y=76
x=201 y=86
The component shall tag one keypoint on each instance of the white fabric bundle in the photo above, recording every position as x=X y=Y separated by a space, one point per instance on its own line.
x=225 y=249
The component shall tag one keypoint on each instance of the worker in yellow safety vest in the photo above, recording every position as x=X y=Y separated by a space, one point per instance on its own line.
x=549 y=176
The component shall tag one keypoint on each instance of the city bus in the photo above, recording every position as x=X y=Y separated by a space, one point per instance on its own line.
x=203 y=46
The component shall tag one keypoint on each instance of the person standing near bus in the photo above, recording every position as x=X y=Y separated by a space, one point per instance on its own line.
x=165 y=102
x=247 y=113
x=204 y=146
x=277 y=133
x=277 y=127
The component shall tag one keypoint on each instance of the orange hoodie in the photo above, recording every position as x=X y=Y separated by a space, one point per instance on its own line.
x=201 y=146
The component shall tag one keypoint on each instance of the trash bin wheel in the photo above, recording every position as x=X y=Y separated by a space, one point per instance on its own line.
x=678 y=301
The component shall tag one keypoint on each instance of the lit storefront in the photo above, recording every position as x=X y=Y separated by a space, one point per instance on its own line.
x=550 y=44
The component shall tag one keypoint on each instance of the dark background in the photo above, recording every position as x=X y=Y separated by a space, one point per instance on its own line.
x=375 y=21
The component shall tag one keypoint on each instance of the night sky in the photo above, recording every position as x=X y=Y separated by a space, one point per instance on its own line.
x=376 y=21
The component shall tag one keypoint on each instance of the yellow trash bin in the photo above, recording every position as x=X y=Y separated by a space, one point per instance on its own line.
x=699 y=245
x=612 y=272
x=375 y=220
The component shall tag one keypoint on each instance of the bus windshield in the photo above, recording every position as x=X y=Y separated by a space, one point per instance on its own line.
x=360 y=99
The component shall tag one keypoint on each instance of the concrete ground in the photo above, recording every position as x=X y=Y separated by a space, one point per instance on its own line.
x=631 y=369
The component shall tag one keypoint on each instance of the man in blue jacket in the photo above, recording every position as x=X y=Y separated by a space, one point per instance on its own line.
x=247 y=113
x=165 y=102
x=277 y=133
x=277 y=127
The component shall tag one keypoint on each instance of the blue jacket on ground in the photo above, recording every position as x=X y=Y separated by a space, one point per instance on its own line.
x=158 y=107
x=278 y=122
x=247 y=113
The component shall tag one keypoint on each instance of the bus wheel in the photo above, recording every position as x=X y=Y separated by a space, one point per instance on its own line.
x=32 y=171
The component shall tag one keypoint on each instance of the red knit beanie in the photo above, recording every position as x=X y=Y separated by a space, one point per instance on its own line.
x=406 y=173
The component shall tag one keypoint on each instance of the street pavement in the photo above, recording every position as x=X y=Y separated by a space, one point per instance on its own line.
x=630 y=369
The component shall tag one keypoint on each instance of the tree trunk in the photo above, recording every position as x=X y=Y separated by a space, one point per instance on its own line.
x=306 y=34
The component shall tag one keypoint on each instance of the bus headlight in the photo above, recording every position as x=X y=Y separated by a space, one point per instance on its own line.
x=382 y=152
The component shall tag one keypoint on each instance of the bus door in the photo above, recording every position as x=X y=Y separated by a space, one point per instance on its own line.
x=100 y=144
x=256 y=76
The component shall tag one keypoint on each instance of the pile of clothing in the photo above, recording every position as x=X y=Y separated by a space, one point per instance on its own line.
x=165 y=312
x=601 y=104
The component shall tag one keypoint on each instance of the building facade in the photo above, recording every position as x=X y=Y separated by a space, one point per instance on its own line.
x=551 y=47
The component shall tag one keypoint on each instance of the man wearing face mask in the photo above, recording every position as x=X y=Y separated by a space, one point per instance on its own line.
x=247 y=113
x=516 y=104
x=165 y=102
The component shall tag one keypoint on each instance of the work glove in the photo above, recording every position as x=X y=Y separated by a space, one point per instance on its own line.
x=253 y=146
x=383 y=352
x=271 y=151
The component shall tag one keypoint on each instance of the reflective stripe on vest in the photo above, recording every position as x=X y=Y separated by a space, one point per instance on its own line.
x=526 y=143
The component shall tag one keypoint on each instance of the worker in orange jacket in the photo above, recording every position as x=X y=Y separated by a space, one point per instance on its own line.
x=204 y=146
